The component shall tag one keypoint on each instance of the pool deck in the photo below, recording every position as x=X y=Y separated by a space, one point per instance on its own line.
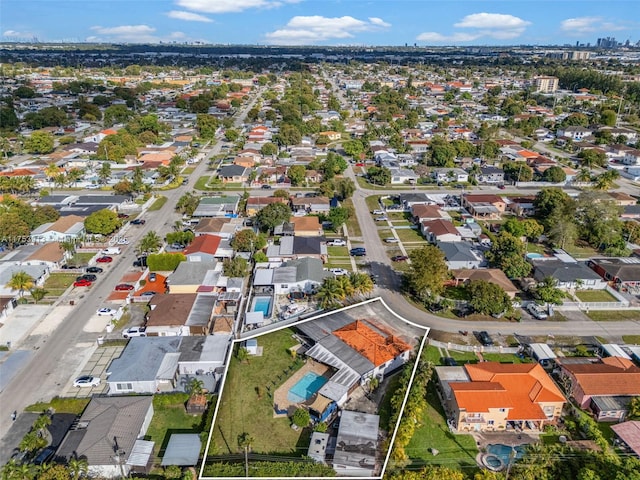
x=280 y=395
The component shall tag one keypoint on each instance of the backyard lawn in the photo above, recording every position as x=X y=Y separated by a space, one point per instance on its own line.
x=243 y=410
x=455 y=450
x=81 y=258
x=505 y=358
x=595 y=296
x=409 y=235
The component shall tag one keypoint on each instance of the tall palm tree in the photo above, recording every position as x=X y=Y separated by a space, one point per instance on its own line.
x=78 y=468
x=362 y=283
x=605 y=180
x=195 y=386
x=150 y=243
x=20 y=281
x=52 y=171
x=330 y=293
x=584 y=175
x=41 y=424
x=347 y=288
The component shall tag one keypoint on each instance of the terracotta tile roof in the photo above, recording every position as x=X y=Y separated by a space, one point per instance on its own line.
x=426 y=211
x=371 y=341
x=517 y=387
x=483 y=198
x=204 y=244
x=49 y=252
x=18 y=172
x=440 y=227
x=611 y=376
x=305 y=223
x=492 y=275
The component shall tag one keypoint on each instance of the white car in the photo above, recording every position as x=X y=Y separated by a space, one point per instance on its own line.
x=123 y=241
x=391 y=240
x=537 y=311
x=135 y=332
x=378 y=212
x=381 y=219
x=86 y=381
x=106 y=311
x=337 y=243
x=339 y=271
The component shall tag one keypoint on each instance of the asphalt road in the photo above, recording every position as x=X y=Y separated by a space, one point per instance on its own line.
x=58 y=355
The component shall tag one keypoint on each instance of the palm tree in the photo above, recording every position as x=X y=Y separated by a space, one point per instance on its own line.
x=245 y=441
x=195 y=386
x=150 y=243
x=347 y=288
x=20 y=281
x=31 y=442
x=38 y=294
x=52 y=171
x=605 y=180
x=104 y=173
x=361 y=282
x=12 y=470
x=41 y=424
x=78 y=468
x=330 y=293
x=584 y=175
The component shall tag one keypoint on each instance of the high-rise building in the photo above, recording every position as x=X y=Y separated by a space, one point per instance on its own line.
x=546 y=84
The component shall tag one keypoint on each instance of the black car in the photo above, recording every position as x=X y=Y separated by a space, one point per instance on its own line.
x=484 y=338
x=94 y=270
x=89 y=277
x=44 y=456
x=138 y=221
x=450 y=362
x=140 y=262
x=358 y=252
x=266 y=187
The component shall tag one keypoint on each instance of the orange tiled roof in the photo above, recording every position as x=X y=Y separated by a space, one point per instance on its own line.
x=520 y=388
x=18 y=172
x=371 y=344
x=205 y=244
x=611 y=376
x=305 y=223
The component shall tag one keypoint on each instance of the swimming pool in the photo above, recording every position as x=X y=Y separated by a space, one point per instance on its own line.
x=534 y=255
x=503 y=452
x=262 y=304
x=305 y=387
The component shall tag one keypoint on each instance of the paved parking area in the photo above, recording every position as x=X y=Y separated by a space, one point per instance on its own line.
x=96 y=366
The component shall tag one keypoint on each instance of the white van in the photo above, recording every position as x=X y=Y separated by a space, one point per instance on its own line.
x=112 y=251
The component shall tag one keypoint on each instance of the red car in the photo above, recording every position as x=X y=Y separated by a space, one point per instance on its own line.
x=105 y=260
x=82 y=283
x=400 y=258
x=124 y=286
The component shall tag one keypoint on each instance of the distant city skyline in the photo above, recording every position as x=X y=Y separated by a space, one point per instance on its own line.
x=322 y=22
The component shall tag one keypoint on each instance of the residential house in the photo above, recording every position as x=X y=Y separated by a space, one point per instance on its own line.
x=568 y=275
x=193 y=277
x=310 y=204
x=492 y=396
x=50 y=255
x=575 y=132
x=306 y=226
x=491 y=175
x=401 y=176
x=206 y=248
x=622 y=272
x=38 y=272
x=629 y=434
x=181 y=314
x=491 y=275
x=622 y=199
x=440 y=230
x=331 y=135
x=521 y=206
x=356 y=451
x=255 y=204
x=461 y=255
x=595 y=383
x=484 y=206
x=68 y=228
x=422 y=213
x=246 y=162
x=225 y=227
x=408 y=200
x=301 y=275
x=218 y=206
x=291 y=247
x=233 y=174
x=109 y=436
x=631 y=157
x=446 y=175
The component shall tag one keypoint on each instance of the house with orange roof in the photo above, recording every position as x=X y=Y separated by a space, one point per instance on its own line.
x=306 y=226
x=605 y=386
x=487 y=206
x=255 y=204
x=331 y=135
x=491 y=275
x=205 y=248
x=492 y=396
x=440 y=230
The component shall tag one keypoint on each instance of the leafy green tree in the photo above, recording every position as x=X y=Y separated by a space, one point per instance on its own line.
x=338 y=217
x=116 y=147
x=272 y=215
x=548 y=292
x=353 y=148
x=529 y=228
x=442 y=153
x=427 y=273
x=379 y=175
x=183 y=238
x=301 y=418
x=634 y=408
x=345 y=188
x=592 y=158
x=38 y=294
x=296 y=174
x=187 y=203
x=164 y=262
x=554 y=174
x=236 y=267
x=103 y=221
x=39 y=142
x=150 y=243
x=361 y=283
x=13 y=229
x=488 y=298
x=508 y=253
x=288 y=135
x=550 y=201
x=206 y=125
x=248 y=241
x=281 y=193
x=518 y=171
x=605 y=180
x=608 y=117
x=231 y=134
x=8 y=118
x=116 y=114
x=269 y=149
x=24 y=91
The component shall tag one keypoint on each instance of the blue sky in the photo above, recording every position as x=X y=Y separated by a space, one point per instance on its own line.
x=322 y=22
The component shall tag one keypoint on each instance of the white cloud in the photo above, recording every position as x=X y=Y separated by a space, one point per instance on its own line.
x=133 y=34
x=436 y=37
x=498 y=26
x=188 y=16
x=230 y=6
x=314 y=29
x=581 y=25
x=17 y=34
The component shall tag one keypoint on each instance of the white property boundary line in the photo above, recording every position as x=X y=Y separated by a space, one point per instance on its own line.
x=404 y=401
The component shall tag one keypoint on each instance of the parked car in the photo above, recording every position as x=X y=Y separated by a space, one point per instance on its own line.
x=106 y=311
x=45 y=455
x=391 y=240
x=152 y=277
x=140 y=262
x=123 y=241
x=135 y=332
x=124 y=287
x=266 y=187
x=537 y=311
x=94 y=270
x=123 y=215
x=138 y=221
x=148 y=293
x=358 y=252
x=105 y=259
x=86 y=381
x=88 y=276
x=399 y=258
x=337 y=242
x=484 y=338
x=82 y=283
x=339 y=271
x=450 y=362
x=381 y=219
x=378 y=212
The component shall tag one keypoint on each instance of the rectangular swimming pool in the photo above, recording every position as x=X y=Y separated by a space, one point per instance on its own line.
x=305 y=387
x=262 y=304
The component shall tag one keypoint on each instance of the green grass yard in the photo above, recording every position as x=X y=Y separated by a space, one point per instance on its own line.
x=158 y=204
x=595 y=296
x=81 y=258
x=57 y=283
x=353 y=227
x=505 y=358
x=170 y=416
x=632 y=339
x=337 y=251
x=613 y=315
x=243 y=410
x=410 y=235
